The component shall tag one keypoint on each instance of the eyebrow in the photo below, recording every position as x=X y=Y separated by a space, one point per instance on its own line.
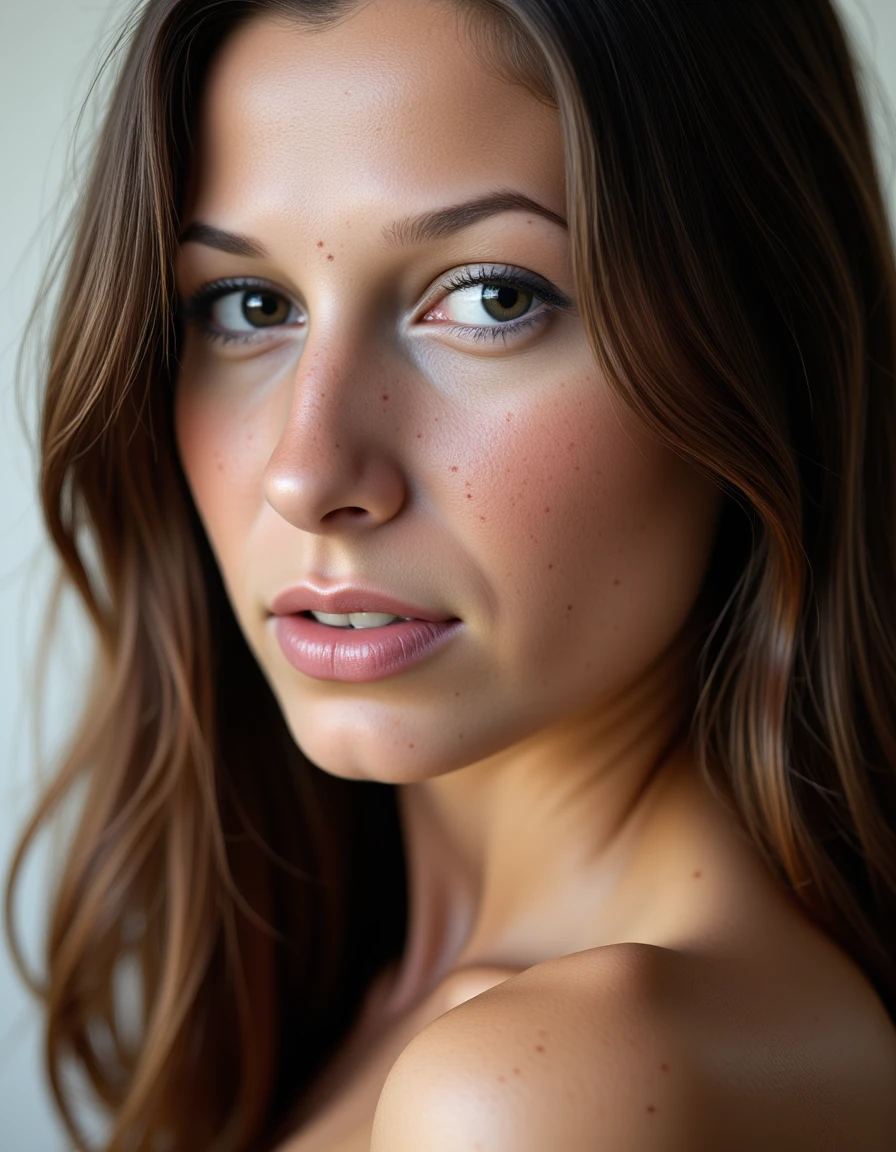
x=435 y=225
x=446 y=221
x=232 y=242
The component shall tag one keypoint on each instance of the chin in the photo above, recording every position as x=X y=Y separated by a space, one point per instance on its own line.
x=377 y=752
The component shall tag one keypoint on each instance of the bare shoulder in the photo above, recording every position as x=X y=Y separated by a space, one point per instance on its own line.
x=640 y=1047
x=569 y=1054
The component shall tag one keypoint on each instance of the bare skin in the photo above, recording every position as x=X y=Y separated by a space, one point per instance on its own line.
x=567 y=864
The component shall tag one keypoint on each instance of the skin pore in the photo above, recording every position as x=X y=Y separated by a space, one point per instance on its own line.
x=387 y=431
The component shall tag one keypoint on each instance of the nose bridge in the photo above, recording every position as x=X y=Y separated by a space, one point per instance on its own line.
x=334 y=461
x=322 y=400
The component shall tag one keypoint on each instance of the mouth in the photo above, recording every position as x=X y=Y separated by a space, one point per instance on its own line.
x=351 y=606
x=359 y=620
x=324 y=645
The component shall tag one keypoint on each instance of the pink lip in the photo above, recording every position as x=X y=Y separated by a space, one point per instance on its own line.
x=359 y=654
x=355 y=655
x=345 y=599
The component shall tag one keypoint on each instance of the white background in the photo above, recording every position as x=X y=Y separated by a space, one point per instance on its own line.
x=49 y=52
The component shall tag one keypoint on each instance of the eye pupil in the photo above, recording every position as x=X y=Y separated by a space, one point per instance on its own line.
x=264 y=308
x=503 y=302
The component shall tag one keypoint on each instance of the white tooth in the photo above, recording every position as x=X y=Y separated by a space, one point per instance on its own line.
x=370 y=619
x=337 y=619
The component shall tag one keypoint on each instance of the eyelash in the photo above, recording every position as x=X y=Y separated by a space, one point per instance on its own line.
x=506 y=277
x=196 y=308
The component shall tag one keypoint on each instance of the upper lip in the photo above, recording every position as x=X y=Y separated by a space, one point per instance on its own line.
x=349 y=598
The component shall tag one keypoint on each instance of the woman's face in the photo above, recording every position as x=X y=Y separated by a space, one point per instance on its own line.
x=385 y=400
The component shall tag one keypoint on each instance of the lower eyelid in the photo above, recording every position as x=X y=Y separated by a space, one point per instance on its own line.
x=494 y=332
x=244 y=336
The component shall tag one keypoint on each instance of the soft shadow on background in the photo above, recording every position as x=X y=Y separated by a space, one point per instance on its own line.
x=49 y=53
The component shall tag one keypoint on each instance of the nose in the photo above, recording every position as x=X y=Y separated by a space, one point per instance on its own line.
x=334 y=466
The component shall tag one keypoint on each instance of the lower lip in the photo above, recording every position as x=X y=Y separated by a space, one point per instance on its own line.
x=359 y=654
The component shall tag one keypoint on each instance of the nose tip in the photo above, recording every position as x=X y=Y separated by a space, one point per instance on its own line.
x=325 y=482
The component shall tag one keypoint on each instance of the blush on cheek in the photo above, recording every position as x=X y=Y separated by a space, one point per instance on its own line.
x=221 y=436
x=598 y=530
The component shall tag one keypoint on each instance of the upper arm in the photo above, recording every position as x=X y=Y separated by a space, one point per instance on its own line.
x=571 y=1055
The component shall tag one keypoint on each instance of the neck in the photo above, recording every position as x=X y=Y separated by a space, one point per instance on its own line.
x=526 y=855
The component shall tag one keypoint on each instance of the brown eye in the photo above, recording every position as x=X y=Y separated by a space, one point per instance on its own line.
x=246 y=310
x=503 y=302
x=262 y=309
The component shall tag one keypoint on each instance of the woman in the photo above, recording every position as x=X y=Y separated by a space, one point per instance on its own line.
x=483 y=417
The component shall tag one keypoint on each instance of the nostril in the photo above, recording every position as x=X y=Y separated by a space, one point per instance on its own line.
x=351 y=512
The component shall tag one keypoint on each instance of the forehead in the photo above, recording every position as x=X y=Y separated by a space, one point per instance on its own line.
x=392 y=108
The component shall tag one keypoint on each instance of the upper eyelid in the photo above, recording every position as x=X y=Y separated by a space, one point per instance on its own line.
x=213 y=290
x=485 y=274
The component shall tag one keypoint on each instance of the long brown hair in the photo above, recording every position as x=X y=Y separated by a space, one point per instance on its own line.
x=735 y=272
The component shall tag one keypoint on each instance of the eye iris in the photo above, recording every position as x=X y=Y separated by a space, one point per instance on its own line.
x=264 y=308
x=502 y=302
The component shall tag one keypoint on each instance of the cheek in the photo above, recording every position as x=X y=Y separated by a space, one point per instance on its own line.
x=221 y=450
x=592 y=530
